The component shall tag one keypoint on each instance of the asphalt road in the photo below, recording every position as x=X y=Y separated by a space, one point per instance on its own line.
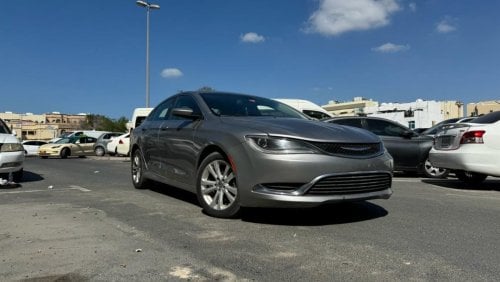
x=81 y=219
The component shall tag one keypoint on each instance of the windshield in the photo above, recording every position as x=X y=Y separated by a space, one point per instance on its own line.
x=223 y=104
x=4 y=128
x=63 y=141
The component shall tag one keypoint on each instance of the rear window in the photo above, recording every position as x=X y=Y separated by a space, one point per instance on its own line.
x=488 y=118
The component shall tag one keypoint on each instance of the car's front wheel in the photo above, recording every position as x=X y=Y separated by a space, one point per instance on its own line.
x=217 y=188
x=470 y=177
x=137 y=170
x=434 y=172
x=65 y=153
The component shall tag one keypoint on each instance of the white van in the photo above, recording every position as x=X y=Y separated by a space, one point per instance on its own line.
x=139 y=115
x=306 y=107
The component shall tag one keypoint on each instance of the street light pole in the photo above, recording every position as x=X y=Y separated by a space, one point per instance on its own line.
x=148 y=7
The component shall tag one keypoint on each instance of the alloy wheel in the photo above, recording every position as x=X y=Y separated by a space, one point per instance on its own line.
x=218 y=185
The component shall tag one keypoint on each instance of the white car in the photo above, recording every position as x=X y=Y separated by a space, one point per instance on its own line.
x=111 y=147
x=11 y=155
x=123 y=147
x=471 y=150
x=31 y=147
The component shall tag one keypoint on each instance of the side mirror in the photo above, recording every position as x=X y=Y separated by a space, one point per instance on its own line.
x=408 y=134
x=185 y=113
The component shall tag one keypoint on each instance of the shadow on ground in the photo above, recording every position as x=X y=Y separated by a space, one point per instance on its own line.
x=325 y=215
x=453 y=183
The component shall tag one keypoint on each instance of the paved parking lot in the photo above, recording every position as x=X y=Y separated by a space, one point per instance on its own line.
x=81 y=219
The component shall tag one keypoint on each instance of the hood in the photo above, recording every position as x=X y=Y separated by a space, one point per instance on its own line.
x=8 y=138
x=311 y=130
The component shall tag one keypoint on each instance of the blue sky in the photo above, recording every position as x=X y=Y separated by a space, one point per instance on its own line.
x=89 y=56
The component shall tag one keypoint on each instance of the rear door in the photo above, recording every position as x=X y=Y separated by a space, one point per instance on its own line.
x=149 y=130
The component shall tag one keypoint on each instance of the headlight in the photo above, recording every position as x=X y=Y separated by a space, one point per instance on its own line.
x=55 y=147
x=11 y=147
x=276 y=145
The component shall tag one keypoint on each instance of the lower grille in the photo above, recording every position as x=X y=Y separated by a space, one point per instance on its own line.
x=351 y=183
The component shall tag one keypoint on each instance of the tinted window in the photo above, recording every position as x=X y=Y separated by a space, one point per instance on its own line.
x=488 y=118
x=355 y=122
x=162 y=111
x=385 y=128
x=223 y=104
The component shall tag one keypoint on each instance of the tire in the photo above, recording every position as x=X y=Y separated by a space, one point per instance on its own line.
x=431 y=171
x=17 y=176
x=65 y=153
x=470 y=177
x=216 y=187
x=99 y=151
x=137 y=171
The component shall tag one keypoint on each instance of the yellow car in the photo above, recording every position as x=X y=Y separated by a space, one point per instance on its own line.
x=73 y=146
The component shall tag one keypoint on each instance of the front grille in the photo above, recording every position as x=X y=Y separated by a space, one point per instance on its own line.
x=351 y=183
x=350 y=149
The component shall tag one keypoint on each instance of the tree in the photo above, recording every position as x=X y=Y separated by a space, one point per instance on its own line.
x=103 y=123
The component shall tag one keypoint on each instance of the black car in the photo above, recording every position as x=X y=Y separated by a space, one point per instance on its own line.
x=409 y=149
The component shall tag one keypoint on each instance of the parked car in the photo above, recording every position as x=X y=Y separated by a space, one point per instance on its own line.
x=11 y=155
x=306 y=107
x=409 y=149
x=101 y=145
x=70 y=146
x=123 y=146
x=31 y=147
x=471 y=150
x=236 y=150
x=111 y=147
x=432 y=131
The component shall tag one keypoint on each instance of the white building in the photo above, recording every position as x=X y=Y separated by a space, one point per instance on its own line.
x=418 y=114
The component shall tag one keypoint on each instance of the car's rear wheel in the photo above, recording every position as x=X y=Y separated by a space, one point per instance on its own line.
x=65 y=152
x=217 y=189
x=434 y=172
x=470 y=177
x=99 y=151
x=137 y=169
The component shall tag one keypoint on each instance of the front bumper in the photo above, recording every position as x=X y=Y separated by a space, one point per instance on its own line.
x=272 y=180
x=49 y=152
x=11 y=161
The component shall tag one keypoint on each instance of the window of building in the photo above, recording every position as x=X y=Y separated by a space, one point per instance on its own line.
x=411 y=124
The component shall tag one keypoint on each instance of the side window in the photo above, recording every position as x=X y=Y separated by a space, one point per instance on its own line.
x=356 y=122
x=385 y=128
x=162 y=111
x=185 y=101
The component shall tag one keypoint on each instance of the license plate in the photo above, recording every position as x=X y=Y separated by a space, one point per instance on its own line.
x=446 y=141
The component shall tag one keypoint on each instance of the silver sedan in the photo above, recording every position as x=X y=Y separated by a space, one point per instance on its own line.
x=236 y=151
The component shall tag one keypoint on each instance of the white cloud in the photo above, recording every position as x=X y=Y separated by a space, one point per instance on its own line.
x=413 y=6
x=171 y=73
x=335 y=17
x=252 y=37
x=391 y=48
x=446 y=25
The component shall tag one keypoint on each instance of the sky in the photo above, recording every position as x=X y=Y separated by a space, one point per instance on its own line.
x=90 y=56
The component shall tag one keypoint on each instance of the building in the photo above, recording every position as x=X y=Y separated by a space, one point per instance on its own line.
x=29 y=126
x=418 y=114
x=481 y=108
x=354 y=107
